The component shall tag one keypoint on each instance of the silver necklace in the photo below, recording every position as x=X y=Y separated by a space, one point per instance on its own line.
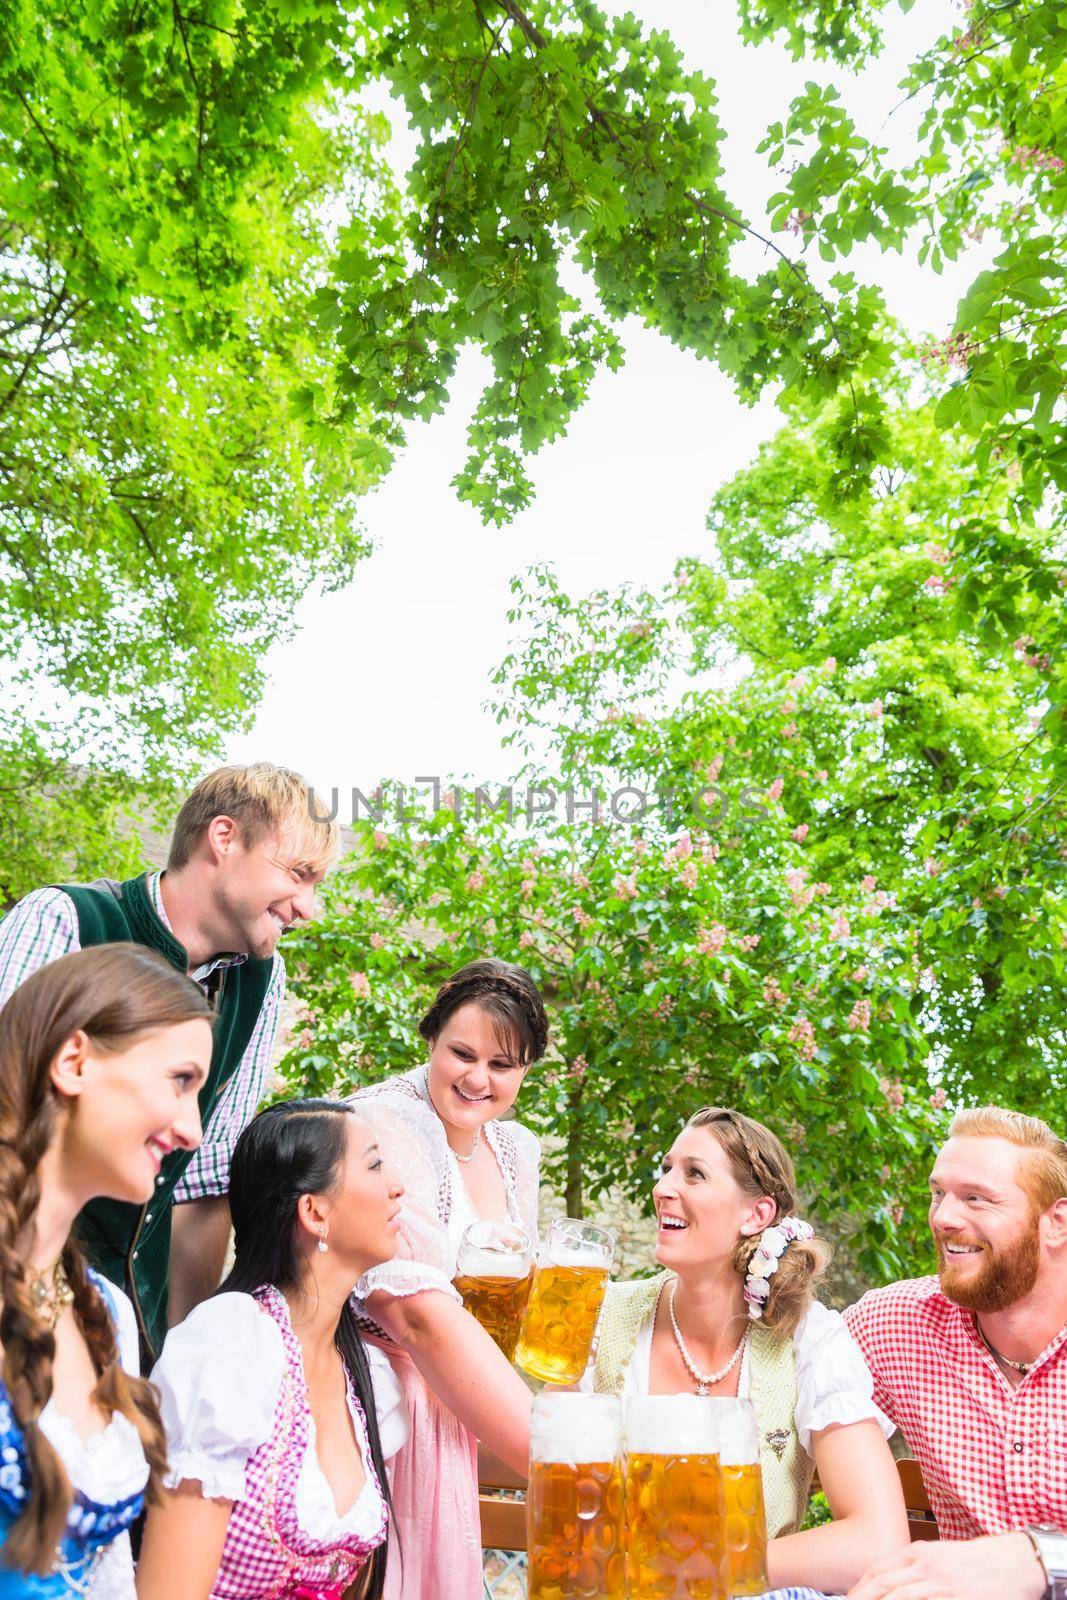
x=474 y=1149
x=704 y=1380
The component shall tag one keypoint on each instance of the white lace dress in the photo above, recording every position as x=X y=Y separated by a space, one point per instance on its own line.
x=435 y=1476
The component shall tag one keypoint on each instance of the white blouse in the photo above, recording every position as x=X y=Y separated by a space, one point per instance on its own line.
x=436 y=1208
x=219 y=1375
x=833 y=1381
x=110 y=1465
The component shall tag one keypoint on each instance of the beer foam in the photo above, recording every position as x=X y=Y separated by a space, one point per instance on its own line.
x=738 y=1433
x=575 y=1428
x=671 y=1425
x=488 y=1263
x=589 y=1257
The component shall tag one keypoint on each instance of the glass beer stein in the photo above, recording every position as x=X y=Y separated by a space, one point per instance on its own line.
x=674 y=1499
x=565 y=1299
x=493 y=1276
x=575 y=1512
x=744 y=1521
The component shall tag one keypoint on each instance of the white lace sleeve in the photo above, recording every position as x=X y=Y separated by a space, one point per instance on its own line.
x=833 y=1383
x=218 y=1379
x=412 y=1144
x=527 y=1174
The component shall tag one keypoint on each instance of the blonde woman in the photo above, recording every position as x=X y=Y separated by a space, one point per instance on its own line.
x=733 y=1313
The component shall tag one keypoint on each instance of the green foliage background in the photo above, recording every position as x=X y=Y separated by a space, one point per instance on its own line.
x=219 y=309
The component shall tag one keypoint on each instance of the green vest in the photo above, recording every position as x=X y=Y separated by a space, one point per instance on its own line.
x=131 y=1244
x=786 y=1469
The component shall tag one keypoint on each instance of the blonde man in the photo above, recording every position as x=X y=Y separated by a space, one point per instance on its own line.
x=249 y=848
x=972 y=1366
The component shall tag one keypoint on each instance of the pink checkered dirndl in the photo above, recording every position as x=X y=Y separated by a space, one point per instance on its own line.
x=267 y=1556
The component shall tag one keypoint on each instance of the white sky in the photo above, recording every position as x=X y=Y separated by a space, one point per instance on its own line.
x=389 y=677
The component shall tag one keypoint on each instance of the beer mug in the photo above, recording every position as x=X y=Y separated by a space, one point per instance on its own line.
x=674 y=1499
x=575 y=1512
x=493 y=1276
x=744 y=1521
x=565 y=1299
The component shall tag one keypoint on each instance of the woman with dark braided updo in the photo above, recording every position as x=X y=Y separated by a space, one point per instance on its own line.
x=102 y=1056
x=440 y=1129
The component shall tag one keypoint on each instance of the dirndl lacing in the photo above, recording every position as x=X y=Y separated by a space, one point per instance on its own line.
x=267 y=1556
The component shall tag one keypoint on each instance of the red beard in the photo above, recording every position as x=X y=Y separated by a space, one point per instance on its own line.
x=1005 y=1275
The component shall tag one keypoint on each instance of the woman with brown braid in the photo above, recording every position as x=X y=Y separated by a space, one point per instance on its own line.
x=102 y=1056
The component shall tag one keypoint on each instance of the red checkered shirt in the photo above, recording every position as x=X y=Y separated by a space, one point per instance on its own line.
x=993 y=1457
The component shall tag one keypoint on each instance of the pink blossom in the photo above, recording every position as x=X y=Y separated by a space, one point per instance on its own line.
x=690 y=875
x=583 y=919
x=377 y=941
x=885 y=1174
x=711 y=940
x=713 y=768
x=683 y=848
x=796 y=220
x=954 y=351
x=893 y=1092
x=859 y=976
x=710 y=851
x=822 y=889
x=822 y=775
x=578 y=1069
x=774 y=792
x=613 y=714
x=939 y=1099
x=801 y=833
x=868 y=882
x=580 y=880
x=937 y=584
x=1032 y=155
x=789 y=731
x=897 y=1214
x=664 y=1009
x=639 y=630
x=859 y=1018
x=829 y=666
x=748 y=942
x=526 y=940
x=1000 y=890
x=475 y=881
x=795 y=1132
x=932 y=867
x=360 y=985
x=875 y=710
x=276 y=1084
x=305 y=1039
x=797 y=683
x=787 y=707
x=773 y=994
x=839 y=928
x=625 y=887
x=938 y=555
x=802 y=1034
x=381 y=839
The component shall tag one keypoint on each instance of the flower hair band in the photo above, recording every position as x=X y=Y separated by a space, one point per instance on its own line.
x=763 y=1263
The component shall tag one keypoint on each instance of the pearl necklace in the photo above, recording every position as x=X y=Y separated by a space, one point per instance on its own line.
x=474 y=1148
x=704 y=1380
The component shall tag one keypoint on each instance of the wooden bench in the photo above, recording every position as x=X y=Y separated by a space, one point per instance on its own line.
x=502 y=1502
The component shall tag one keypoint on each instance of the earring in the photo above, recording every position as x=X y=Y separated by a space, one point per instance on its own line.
x=323 y=1246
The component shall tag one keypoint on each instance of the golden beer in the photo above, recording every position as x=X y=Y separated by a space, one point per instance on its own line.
x=744 y=1529
x=674 y=1500
x=498 y=1304
x=565 y=1299
x=575 y=1507
x=744 y=1519
x=493 y=1271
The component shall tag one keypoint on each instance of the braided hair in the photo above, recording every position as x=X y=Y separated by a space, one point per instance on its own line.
x=509 y=997
x=761 y=1166
x=115 y=994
